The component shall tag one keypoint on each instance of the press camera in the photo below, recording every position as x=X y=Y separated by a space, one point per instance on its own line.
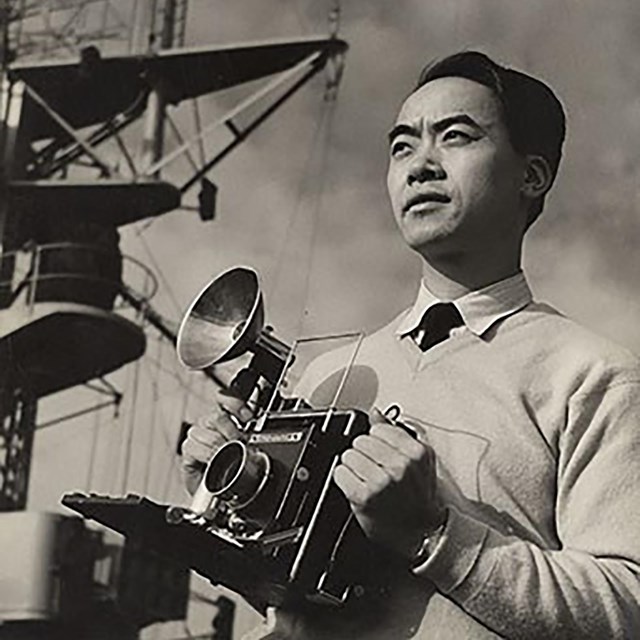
x=267 y=520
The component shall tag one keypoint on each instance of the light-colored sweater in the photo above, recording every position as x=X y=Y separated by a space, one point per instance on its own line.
x=536 y=426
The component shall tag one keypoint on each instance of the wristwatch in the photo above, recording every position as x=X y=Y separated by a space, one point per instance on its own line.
x=429 y=543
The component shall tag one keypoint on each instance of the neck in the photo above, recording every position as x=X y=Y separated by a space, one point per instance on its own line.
x=450 y=277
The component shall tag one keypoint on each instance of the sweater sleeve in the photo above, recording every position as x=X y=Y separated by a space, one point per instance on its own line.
x=590 y=586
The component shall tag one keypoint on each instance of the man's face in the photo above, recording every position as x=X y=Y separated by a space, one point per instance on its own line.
x=454 y=178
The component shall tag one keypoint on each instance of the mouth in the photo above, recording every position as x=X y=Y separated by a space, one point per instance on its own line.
x=425 y=201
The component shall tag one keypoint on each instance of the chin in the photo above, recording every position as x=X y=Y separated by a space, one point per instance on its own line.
x=420 y=237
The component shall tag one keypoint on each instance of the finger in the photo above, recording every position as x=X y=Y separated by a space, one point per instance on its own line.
x=350 y=484
x=423 y=471
x=394 y=462
x=207 y=437
x=233 y=405
x=196 y=454
x=401 y=441
x=192 y=478
x=391 y=433
x=416 y=464
x=366 y=469
x=216 y=422
x=208 y=434
x=375 y=415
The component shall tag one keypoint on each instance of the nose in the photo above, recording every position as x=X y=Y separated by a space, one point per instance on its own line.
x=425 y=166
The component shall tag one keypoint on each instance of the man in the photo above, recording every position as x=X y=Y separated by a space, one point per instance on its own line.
x=516 y=512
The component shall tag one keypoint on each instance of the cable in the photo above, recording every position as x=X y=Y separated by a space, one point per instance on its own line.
x=156 y=266
x=92 y=454
x=160 y=422
x=185 y=386
x=303 y=188
x=315 y=215
x=321 y=139
x=151 y=431
x=112 y=456
x=128 y=445
x=321 y=176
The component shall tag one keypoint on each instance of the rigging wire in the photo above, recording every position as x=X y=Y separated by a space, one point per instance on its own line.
x=174 y=466
x=160 y=422
x=315 y=215
x=128 y=446
x=156 y=266
x=107 y=388
x=97 y=424
x=319 y=152
x=185 y=386
x=77 y=414
x=334 y=20
x=128 y=436
x=319 y=147
x=297 y=210
x=112 y=456
x=155 y=399
x=186 y=393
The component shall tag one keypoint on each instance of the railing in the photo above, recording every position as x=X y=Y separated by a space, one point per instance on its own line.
x=73 y=272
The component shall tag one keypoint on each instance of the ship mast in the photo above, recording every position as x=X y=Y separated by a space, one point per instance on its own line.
x=18 y=403
x=68 y=181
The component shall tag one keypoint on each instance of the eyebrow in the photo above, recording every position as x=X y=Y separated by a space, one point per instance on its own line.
x=403 y=130
x=437 y=127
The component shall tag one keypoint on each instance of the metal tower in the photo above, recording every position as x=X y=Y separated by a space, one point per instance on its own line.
x=85 y=92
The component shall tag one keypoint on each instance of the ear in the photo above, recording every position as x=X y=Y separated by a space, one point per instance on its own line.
x=538 y=177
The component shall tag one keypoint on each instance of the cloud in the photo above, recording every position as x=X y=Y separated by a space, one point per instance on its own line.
x=269 y=188
x=325 y=242
x=336 y=262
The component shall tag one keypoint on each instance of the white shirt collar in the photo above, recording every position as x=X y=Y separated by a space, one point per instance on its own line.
x=479 y=309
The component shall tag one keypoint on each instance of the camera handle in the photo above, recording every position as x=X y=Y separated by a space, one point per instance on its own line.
x=244 y=382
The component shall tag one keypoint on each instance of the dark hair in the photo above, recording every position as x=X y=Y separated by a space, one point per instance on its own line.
x=532 y=113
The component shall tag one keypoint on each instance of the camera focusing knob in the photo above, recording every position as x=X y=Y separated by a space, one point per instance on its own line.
x=236 y=524
x=302 y=474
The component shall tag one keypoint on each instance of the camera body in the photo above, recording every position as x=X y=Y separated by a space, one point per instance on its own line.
x=267 y=520
x=272 y=495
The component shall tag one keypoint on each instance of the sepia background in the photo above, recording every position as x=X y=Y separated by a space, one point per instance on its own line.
x=304 y=202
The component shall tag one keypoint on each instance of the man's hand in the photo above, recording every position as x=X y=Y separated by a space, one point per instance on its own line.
x=209 y=433
x=390 y=480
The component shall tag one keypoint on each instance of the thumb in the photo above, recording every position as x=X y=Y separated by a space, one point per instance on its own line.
x=192 y=477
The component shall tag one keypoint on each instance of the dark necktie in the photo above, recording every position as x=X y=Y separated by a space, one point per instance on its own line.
x=437 y=322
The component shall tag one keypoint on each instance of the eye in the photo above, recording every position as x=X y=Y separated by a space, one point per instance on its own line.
x=400 y=148
x=457 y=136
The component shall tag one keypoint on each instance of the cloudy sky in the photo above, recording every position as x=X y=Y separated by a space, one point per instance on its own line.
x=324 y=240
x=304 y=199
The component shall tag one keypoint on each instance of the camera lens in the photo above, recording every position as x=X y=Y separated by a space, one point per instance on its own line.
x=236 y=473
